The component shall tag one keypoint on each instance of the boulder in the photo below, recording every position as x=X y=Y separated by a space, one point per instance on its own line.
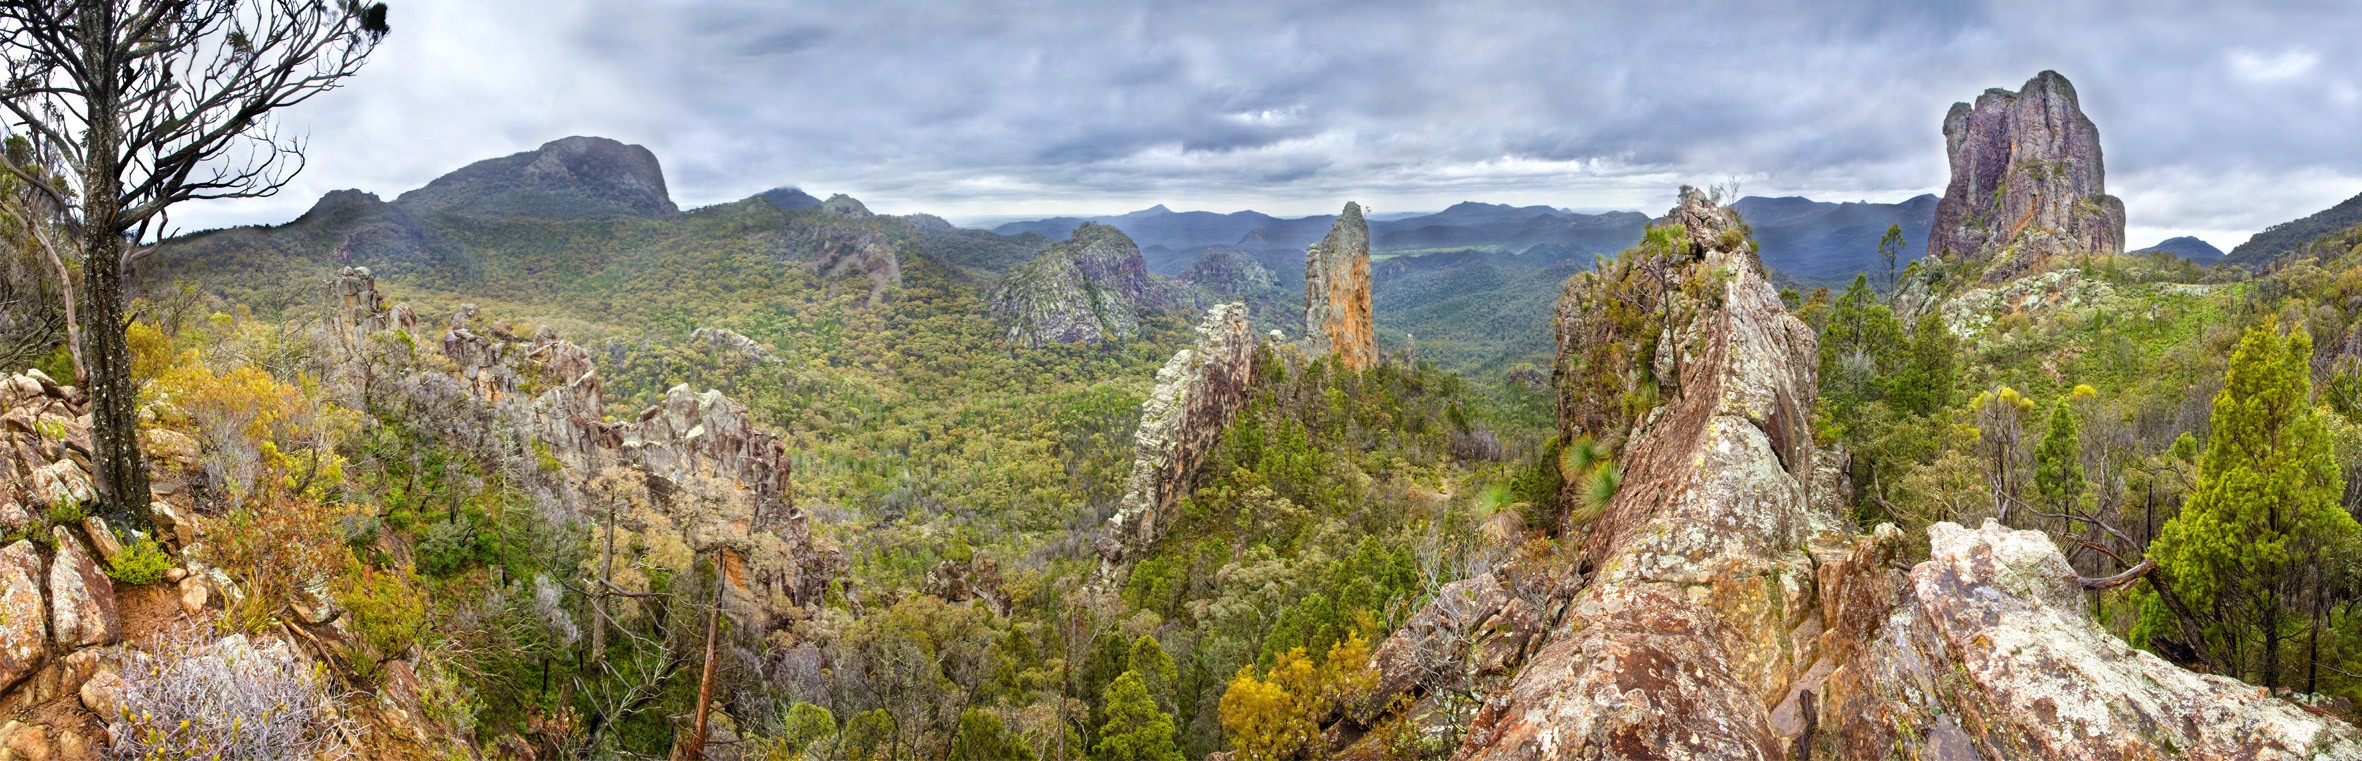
x=81 y=597
x=24 y=626
x=62 y=481
x=1337 y=293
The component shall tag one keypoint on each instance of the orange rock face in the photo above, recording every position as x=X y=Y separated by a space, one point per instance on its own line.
x=1337 y=293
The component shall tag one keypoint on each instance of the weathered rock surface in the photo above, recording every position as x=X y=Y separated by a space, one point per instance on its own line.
x=1198 y=393
x=1697 y=621
x=81 y=597
x=1731 y=615
x=24 y=625
x=1337 y=294
x=2027 y=182
x=1992 y=654
x=1092 y=288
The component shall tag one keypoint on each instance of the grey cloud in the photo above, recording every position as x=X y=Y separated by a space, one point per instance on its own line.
x=2216 y=117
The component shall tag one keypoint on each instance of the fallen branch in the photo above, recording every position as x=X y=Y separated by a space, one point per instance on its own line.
x=2121 y=579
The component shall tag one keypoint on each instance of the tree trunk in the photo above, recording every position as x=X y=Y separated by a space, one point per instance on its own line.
x=122 y=477
x=694 y=748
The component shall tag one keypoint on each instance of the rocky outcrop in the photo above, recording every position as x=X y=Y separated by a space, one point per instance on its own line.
x=846 y=241
x=1730 y=613
x=1337 y=294
x=1992 y=654
x=684 y=437
x=1092 y=288
x=2027 y=182
x=1696 y=622
x=1198 y=392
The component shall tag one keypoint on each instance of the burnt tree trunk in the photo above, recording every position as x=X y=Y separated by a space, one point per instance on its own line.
x=122 y=475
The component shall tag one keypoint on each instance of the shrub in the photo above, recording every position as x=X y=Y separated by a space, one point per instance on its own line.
x=142 y=563
x=388 y=612
x=446 y=547
x=227 y=699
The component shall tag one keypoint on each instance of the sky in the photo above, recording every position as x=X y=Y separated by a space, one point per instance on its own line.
x=2216 y=119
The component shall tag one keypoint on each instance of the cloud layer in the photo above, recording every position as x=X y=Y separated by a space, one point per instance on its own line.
x=2217 y=118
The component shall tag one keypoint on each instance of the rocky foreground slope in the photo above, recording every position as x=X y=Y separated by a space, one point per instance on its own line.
x=1722 y=610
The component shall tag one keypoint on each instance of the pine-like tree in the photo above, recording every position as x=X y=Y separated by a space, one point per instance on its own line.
x=2264 y=520
x=1136 y=729
x=2058 y=462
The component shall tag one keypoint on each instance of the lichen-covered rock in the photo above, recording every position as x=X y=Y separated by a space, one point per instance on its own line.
x=1337 y=294
x=1993 y=655
x=1092 y=288
x=1699 y=620
x=81 y=597
x=1973 y=312
x=1198 y=392
x=2027 y=182
x=24 y=626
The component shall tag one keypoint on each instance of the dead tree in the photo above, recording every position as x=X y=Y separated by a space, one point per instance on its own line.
x=147 y=104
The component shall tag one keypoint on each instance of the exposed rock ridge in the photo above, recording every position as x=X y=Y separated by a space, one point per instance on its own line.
x=1732 y=615
x=1337 y=293
x=2027 y=182
x=1697 y=621
x=1092 y=288
x=1198 y=393
x=685 y=435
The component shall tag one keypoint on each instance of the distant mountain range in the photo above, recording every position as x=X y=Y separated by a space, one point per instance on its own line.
x=1813 y=242
x=2189 y=248
x=2285 y=237
x=1471 y=287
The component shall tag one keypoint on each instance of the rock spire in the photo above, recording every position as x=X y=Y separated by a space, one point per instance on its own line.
x=1337 y=293
x=2027 y=182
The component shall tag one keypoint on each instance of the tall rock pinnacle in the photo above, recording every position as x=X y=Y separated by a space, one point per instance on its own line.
x=2027 y=182
x=1337 y=293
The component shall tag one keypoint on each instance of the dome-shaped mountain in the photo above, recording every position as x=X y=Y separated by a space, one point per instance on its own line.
x=574 y=177
x=1092 y=288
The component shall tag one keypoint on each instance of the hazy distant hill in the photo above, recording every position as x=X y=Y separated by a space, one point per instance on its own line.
x=2291 y=235
x=1463 y=225
x=2189 y=248
x=1822 y=243
x=1813 y=242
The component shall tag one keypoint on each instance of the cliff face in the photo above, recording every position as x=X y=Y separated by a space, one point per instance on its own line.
x=1337 y=293
x=2027 y=182
x=1092 y=288
x=1198 y=393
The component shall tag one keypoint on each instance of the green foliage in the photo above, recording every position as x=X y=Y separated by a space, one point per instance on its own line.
x=445 y=547
x=1136 y=729
x=386 y=614
x=2265 y=512
x=2058 y=468
x=1930 y=373
x=140 y=563
x=983 y=737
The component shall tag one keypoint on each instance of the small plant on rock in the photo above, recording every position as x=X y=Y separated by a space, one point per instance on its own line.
x=143 y=562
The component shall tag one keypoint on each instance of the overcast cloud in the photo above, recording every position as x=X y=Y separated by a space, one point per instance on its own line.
x=2216 y=118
